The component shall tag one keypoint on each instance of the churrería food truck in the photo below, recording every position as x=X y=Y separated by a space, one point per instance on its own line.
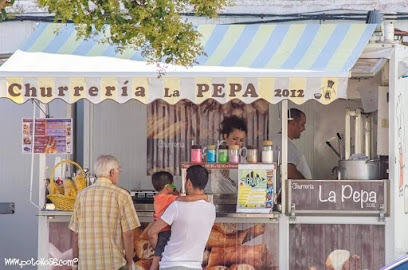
x=347 y=80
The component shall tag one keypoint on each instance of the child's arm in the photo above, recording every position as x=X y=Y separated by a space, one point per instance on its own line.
x=192 y=198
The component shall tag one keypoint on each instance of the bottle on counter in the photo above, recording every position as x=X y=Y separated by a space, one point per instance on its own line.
x=223 y=153
x=267 y=152
x=196 y=153
x=252 y=154
x=211 y=154
x=233 y=154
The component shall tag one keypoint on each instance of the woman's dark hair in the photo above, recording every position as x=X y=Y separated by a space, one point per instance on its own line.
x=231 y=123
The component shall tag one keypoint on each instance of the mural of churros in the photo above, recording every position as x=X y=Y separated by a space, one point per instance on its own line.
x=172 y=128
x=231 y=246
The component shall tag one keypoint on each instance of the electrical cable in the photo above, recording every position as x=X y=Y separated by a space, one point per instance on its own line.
x=38 y=105
x=359 y=15
x=32 y=162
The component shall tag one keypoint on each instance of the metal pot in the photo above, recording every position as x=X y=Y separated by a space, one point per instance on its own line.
x=359 y=169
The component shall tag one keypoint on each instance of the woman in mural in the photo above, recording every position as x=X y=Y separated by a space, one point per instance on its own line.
x=233 y=131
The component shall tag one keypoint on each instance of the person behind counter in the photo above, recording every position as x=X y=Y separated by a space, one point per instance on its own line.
x=190 y=223
x=103 y=221
x=297 y=165
x=233 y=130
x=163 y=184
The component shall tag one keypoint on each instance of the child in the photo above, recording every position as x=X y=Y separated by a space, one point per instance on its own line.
x=163 y=183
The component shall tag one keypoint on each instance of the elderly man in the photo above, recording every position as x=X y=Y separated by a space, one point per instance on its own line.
x=191 y=224
x=297 y=165
x=103 y=221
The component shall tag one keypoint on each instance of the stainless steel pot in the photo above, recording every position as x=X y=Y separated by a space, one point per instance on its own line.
x=359 y=169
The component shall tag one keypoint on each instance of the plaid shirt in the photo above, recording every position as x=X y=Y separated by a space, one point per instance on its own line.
x=102 y=213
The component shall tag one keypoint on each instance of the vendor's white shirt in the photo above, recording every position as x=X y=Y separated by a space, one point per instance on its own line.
x=191 y=224
x=294 y=156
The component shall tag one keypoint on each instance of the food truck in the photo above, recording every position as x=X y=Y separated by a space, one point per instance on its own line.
x=346 y=78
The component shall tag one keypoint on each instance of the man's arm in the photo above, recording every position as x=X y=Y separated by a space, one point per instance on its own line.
x=293 y=173
x=153 y=232
x=192 y=198
x=129 y=247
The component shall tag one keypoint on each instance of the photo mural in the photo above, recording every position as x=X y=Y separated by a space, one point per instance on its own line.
x=172 y=129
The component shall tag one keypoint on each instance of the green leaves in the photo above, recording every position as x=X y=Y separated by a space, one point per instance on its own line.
x=153 y=26
x=3 y=5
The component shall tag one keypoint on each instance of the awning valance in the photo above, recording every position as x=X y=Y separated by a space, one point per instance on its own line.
x=274 y=62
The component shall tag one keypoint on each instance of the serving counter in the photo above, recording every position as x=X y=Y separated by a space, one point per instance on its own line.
x=146 y=216
x=236 y=238
x=327 y=223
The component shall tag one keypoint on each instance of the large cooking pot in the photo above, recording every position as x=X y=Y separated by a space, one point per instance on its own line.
x=359 y=169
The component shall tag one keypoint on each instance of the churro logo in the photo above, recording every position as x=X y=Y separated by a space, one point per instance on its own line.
x=164 y=144
x=300 y=186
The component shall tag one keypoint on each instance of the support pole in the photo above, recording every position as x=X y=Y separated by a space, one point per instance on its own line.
x=358 y=144
x=284 y=151
x=347 y=134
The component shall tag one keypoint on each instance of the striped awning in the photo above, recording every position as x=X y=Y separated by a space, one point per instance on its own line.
x=274 y=62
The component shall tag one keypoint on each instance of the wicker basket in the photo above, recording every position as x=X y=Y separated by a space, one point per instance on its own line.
x=60 y=201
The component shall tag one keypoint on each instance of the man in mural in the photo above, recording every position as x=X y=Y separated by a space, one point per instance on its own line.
x=297 y=165
x=188 y=221
x=103 y=221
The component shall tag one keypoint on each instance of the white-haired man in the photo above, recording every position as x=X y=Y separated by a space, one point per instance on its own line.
x=103 y=221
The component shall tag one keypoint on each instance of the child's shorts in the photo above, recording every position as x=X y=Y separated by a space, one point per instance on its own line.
x=161 y=242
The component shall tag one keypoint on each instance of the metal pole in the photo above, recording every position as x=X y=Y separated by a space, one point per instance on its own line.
x=357 y=139
x=43 y=224
x=347 y=134
x=284 y=151
x=284 y=220
x=367 y=136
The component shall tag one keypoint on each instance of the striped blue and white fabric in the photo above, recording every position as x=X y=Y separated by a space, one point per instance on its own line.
x=271 y=61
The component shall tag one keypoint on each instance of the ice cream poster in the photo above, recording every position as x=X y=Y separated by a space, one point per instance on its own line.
x=255 y=188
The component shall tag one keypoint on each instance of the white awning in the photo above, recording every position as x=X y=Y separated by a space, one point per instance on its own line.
x=249 y=62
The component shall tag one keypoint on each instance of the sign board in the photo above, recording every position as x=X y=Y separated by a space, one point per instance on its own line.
x=256 y=184
x=338 y=196
x=48 y=136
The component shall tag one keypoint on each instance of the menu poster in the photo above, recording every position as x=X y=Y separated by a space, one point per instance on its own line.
x=51 y=136
x=256 y=183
